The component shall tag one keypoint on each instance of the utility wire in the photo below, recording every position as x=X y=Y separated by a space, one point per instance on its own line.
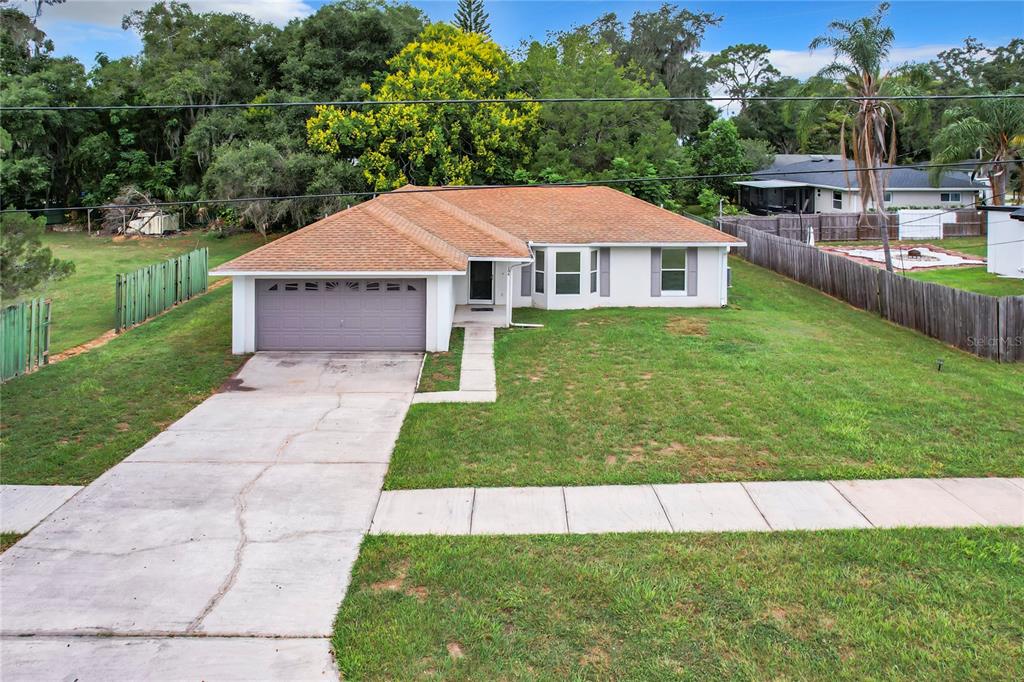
x=463 y=188
x=503 y=100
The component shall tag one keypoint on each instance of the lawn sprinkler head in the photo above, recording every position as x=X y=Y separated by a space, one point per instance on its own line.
x=938 y=364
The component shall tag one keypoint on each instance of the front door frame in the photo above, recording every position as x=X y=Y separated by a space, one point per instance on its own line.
x=469 y=281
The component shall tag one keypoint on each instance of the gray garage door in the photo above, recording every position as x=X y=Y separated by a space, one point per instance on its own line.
x=345 y=314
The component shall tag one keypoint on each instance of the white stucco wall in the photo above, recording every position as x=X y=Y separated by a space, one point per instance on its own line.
x=243 y=315
x=630 y=282
x=900 y=197
x=1005 y=245
x=440 y=312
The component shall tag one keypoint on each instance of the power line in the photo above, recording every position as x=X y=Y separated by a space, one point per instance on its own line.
x=502 y=100
x=462 y=188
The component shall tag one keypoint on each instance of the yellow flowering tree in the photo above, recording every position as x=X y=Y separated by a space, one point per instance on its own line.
x=435 y=144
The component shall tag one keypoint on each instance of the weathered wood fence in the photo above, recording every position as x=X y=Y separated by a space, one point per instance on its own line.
x=153 y=289
x=24 y=337
x=845 y=227
x=984 y=325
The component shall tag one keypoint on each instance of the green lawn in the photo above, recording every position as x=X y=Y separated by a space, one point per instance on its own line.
x=863 y=604
x=786 y=383
x=975 y=279
x=83 y=304
x=70 y=422
x=8 y=539
x=441 y=370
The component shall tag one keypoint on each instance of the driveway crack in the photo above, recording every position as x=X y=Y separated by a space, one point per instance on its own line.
x=243 y=541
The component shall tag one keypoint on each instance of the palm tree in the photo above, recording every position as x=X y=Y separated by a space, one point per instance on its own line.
x=861 y=47
x=991 y=130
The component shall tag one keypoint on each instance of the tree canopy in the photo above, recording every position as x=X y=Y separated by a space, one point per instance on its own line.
x=430 y=144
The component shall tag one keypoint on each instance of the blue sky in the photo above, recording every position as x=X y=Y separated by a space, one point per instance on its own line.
x=84 y=27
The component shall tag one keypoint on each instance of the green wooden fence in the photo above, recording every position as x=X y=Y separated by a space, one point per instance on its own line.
x=24 y=337
x=153 y=289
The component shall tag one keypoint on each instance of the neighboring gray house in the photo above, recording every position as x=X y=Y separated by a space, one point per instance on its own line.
x=795 y=183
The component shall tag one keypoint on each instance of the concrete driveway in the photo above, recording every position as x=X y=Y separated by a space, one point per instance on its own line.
x=222 y=548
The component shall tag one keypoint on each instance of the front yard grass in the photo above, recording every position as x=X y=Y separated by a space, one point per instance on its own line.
x=861 y=604
x=83 y=304
x=441 y=370
x=70 y=422
x=786 y=383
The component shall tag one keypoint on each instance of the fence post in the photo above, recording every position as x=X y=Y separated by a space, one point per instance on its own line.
x=46 y=329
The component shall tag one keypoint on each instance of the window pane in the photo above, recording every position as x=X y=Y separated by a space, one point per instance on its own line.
x=593 y=260
x=567 y=284
x=673 y=280
x=673 y=259
x=593 y=282
x=568 y=261
x=539 y=256
x=538 y=282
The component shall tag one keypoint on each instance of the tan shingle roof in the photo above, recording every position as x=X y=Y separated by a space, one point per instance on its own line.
x=438 y=231
x=581 y=215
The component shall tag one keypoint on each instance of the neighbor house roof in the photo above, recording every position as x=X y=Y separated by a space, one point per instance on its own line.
x=834 y=172
x=427 y=231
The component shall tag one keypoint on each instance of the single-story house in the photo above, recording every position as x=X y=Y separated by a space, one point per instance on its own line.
x=389 y=273
x=803 y=183
x=1005 y=253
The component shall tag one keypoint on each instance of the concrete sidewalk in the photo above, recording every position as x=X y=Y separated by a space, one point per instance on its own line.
x=477 y=382
x=704 y=507
x=222 y=548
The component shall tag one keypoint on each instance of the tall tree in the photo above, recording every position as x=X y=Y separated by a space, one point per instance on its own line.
x=742 y=70
x=861 y=48
x=665 y=43
x=596 y=141
x=24 y=262
x=471 y=17
x=992 y=129
x=431 y=144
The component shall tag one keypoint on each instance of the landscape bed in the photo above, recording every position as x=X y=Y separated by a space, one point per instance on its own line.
x=785 y=383
x=875 y=604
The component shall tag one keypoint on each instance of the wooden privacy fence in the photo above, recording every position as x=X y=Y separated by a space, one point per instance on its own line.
x=24 y=337
x=984 y=325
x=844 y=227
x=153 y=289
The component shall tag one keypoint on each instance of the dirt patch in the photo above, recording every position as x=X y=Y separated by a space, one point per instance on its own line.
x=396 y=583
x=122 y=426
x=455 y=650
x=686 y=326
x=595 y=656
x=720 y=439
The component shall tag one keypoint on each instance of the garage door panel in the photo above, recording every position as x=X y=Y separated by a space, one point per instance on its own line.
x=340 y=314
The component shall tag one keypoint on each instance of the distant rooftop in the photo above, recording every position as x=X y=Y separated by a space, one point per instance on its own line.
x=830 y=170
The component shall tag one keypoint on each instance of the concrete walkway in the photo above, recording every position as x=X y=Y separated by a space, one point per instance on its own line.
x=24 y=506
x=477 y=383
x=222 y=548
x=761 y=506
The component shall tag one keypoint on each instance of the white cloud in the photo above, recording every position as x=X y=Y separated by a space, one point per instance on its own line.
x=110 y=12
x=804 y=63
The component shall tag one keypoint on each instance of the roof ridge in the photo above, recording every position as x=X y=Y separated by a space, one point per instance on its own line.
x=473 y=220
x=420 y=235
